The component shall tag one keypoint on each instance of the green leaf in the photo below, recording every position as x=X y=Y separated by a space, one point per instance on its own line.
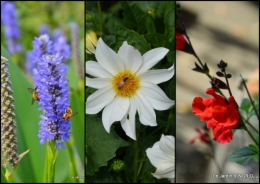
x=100 y=145
x=133 y=16
x=132 y=38
x=169 y=20
x=245 y=105
x=242 y=156
x=30 y=168
x=151 y=37
x=104 y=175
x=253 y=147
x=256 y=157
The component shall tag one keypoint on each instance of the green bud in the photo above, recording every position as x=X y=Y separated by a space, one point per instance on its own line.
x=118 y=165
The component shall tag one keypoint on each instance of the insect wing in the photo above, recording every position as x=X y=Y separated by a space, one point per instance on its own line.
x=31 y=90
x=74 y=113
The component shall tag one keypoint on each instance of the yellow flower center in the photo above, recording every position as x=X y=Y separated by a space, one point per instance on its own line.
x=125 y=83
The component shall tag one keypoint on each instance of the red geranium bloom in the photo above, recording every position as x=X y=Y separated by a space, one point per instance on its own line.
x=222 y=134
x=217 y=111
x=180 y=41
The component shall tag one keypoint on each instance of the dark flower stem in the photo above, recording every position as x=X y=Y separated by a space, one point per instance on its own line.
x=253 y=104
x=195 y=54
x=230 y=93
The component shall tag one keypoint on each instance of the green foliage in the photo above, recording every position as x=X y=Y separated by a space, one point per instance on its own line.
x=145 y=25
x=244 y=155
x=100 y=146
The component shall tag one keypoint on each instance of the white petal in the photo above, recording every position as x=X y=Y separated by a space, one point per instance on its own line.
x=99 y=99
x=94 y=69
x=128 y=126
x=165 y=170
x=115 y=111
x=131 y=57
x=98 y=83
x=146 y=113
x=107 y=58
x=151 y=58
x=157 y=76
x=167 y=145
x=155 y=155
x=164 y=162
x=156 y=96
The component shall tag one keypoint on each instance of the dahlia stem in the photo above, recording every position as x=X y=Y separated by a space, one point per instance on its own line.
x=135 y=164
x=51 y=157
x=100 y=17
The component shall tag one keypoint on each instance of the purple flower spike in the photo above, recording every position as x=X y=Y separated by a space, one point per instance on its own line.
x=9 y=20
x=60 y=45
x=54 y=100
x=41 y=45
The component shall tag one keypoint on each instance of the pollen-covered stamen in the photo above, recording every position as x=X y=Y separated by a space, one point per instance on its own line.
x=125 y=84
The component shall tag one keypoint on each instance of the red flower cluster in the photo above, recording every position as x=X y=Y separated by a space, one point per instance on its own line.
x=220 y=115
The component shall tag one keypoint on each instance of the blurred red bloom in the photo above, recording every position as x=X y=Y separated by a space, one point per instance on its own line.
x=180 y=41
x=219 y=114
x=202 y=137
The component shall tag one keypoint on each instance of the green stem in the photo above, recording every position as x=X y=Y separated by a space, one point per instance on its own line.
x=51 y=157
x=100 y=17
x=252 y=137
x=72 y=163
x=135 y=164
x=252 y=127
x=247 y=122
x=252 y=102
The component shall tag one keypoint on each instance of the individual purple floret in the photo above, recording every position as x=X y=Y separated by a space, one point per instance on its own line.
x=9 y=20
x=60 y=45
x=54 y=100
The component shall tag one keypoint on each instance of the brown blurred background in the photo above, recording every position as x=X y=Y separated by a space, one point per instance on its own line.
x=218 y=30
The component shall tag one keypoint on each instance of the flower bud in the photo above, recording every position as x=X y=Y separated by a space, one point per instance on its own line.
x=8 y=125
x=91 y=42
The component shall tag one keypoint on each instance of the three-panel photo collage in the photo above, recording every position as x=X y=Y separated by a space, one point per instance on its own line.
x=129 y=92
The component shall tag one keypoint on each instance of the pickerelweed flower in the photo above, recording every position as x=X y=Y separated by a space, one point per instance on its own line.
x=220 y=115
x=41 y=45
x=12 y=32
x=162 y=156
x=9 y=148
x=54 y=100
x=44 y=29
x=125 y=86
x=61 y=46
x=76 y=50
